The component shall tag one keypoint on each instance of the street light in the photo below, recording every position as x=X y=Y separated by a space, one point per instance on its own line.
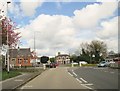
x=8 y=68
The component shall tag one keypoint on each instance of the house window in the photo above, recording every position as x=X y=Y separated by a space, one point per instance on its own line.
x=19 y=61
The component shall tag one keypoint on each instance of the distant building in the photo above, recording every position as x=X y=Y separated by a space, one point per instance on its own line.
x=62 y=58
x=20 y=57
x=112 y=56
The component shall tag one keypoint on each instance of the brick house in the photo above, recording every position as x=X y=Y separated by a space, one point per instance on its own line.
x=62 y=58
x=21 y=57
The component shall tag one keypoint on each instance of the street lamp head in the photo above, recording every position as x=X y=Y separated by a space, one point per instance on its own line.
x=8 y=2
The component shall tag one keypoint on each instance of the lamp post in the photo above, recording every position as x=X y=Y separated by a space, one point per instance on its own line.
x=8 y=68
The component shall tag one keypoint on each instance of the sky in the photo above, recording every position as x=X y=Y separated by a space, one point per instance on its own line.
x=61 y=26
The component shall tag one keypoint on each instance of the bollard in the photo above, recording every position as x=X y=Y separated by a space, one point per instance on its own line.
x=19 y=65
x=80 y=64
x=72 y=64
x=44 y=66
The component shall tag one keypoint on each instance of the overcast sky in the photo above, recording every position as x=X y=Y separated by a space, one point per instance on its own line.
x=63 y=26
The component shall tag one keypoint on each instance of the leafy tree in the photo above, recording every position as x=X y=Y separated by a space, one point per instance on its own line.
x=95 y=48
x=73 y=58
x=52 y=59
x=98 y=49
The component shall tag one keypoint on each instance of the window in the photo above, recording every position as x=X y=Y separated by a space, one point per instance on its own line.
x=19 y=61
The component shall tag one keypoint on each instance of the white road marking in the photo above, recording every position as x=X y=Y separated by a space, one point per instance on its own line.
x=18 y=80
x=86 y=86
x=74 y=73
x=83 y=80
x=112 y=72
x=89 y=84
x=78 y=80
x=29 y=86
x=70 y=74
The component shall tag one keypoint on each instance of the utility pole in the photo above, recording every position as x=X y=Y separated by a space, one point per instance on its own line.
x=34 y=49
x=34 y=42
x=8 y=67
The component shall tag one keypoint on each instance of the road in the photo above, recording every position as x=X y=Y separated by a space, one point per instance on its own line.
x=54 y=78
x=97 y=78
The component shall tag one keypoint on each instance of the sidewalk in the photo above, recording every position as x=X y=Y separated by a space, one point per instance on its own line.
x=13 y=83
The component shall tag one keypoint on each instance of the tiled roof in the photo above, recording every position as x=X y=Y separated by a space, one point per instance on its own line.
x=60 y=55
x=21 y=52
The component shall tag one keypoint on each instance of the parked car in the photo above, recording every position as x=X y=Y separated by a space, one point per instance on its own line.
x=103 y=64
x=53 y=65
x=83 y=62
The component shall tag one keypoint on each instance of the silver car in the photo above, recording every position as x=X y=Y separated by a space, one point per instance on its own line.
x=103 y=64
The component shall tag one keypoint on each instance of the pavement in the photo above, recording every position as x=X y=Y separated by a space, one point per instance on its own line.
x=16 y=82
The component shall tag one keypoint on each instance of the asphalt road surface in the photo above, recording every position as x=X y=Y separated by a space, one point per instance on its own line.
x=54 y=78
x=97 y=78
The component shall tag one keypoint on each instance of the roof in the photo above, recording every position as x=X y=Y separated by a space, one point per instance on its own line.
x=21 y=52
x=60 y=55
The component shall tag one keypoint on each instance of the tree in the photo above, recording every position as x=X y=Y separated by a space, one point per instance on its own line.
x=98 y=49
x=73 y=58
x=94 y=48
x=52 y=59
x=9 y=27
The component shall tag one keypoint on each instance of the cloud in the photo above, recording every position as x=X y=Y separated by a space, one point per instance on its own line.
x=29 y=6
x=91 y=15
x=109 y=29
x=52 y=33
x=62 y=33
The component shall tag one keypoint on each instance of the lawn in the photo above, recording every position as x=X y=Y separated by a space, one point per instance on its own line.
x=83 y=65
x=6 y=75
x=15 y=72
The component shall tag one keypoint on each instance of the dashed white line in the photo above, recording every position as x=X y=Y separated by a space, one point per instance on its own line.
x=89 y=84
x=70 y=74
x=83 y=80
x=29 y=86
x=74 y=73
x=86 y=86
x=78 y=80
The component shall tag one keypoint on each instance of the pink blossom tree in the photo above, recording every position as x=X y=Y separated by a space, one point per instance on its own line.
x=7 y=26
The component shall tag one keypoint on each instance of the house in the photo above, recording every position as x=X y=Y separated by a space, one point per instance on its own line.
x=62 y=58
x=20 y=57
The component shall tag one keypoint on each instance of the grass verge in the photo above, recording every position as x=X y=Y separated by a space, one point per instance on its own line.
x=6 y=75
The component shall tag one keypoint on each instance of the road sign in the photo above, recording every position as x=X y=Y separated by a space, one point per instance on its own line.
x=4 y=49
